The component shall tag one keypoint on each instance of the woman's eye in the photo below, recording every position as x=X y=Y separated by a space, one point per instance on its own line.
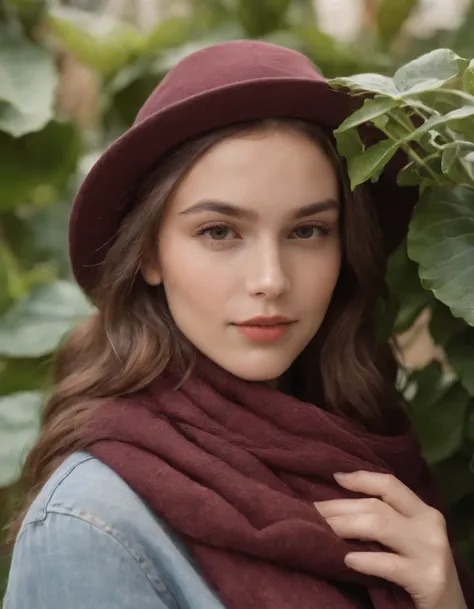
x=307 y=232
x=219 y=233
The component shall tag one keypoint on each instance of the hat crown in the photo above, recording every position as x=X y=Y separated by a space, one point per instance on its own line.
x=226 y=63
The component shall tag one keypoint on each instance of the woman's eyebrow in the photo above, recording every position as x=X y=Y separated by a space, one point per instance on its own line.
x=236 y=211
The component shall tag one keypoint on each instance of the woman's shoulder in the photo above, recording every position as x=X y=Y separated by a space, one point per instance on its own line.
x=84 y=487
x=86 y=509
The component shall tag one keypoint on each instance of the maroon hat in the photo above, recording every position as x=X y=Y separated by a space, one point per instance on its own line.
x=214 y=87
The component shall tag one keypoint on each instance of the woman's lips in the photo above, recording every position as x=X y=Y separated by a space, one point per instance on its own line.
x=264 y=333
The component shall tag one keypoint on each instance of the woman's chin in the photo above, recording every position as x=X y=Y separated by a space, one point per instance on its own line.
x=257 y=368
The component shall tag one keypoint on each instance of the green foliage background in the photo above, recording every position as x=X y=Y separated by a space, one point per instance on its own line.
x=47 y=145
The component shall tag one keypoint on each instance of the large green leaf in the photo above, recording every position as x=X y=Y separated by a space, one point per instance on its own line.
x=27 y=84
x=430 y=71
x=19 y=426
x=37 y=324
x=37 y=164
x=441 y=241
x=390 y=15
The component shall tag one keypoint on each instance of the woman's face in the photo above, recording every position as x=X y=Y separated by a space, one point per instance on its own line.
x=251 y=232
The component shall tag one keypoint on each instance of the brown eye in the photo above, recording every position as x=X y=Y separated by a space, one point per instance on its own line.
x=307 y=232
x=218 y=232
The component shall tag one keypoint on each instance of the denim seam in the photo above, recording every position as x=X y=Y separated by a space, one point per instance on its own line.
x=43 y=512
x=142 y=561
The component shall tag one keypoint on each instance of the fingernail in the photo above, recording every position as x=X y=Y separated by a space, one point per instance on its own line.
x=341 y=475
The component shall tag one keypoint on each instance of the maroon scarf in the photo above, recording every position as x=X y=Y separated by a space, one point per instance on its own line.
x=234 y=468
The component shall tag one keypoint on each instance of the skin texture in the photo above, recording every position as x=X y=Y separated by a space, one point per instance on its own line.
x=267 y=264
x=219 y=269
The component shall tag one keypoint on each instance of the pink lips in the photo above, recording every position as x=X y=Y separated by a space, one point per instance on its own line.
x=264 y=329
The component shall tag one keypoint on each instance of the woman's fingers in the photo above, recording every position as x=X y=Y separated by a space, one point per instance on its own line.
x=421 y=561
x=344 y=507
x=374 y=527
x=391 y=490
x=388 y=566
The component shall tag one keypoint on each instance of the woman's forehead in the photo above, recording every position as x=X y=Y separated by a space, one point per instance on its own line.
x=278 y=168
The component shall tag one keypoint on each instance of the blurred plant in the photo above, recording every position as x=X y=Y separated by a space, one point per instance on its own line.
x=71 y=80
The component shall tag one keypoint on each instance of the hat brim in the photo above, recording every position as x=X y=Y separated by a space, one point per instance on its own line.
x=104 y=196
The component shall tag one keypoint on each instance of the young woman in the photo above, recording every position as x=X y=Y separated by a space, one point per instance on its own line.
x=225 y=429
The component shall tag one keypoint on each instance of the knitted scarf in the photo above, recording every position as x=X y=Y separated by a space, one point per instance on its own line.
x=234 y=467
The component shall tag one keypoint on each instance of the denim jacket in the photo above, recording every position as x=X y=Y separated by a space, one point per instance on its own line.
x=89 y=542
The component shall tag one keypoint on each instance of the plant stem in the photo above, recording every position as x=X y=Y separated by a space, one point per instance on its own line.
x=409 y=151
x=417 y=158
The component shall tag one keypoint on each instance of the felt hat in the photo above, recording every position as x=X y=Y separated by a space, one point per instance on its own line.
x=221 y=84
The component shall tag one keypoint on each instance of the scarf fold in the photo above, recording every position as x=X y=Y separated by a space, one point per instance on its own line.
x=234 y=467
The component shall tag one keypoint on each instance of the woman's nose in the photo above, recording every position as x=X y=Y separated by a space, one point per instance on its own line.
x=266 y=274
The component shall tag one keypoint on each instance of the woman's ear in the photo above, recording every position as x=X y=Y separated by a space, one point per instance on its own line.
x=150 y=271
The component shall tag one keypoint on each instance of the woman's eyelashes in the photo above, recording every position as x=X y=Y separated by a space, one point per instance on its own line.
x=222 y=233
x=218 y=231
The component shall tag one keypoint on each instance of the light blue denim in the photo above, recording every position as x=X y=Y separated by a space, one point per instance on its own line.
x=89 y=542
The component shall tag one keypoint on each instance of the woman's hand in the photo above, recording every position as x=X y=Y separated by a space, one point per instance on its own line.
x=421 y=562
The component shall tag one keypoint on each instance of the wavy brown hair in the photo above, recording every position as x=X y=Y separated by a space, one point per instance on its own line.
x=132 y=338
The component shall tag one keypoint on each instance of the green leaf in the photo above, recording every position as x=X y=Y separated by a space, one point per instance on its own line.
x=369 y=82
x=371 y=109
x=443 y=325
x=371 y=162
x=441 y=240
x=455 y=117
x=12 y=284
x=98 y=40
x=36 y=326
x=404 y=283
x=455 y=163
x=460 y=352
x=19 y=427
x=27 y=85
x=468 y=79
x=454 y=478
x=47 y=231
x=25 y=374
x=349 y=143
x=430 y=71
x=390 y=15
x=439 y=425
x=426 y=73
x=169 y=33
x=409 y=175
x=37 y=163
